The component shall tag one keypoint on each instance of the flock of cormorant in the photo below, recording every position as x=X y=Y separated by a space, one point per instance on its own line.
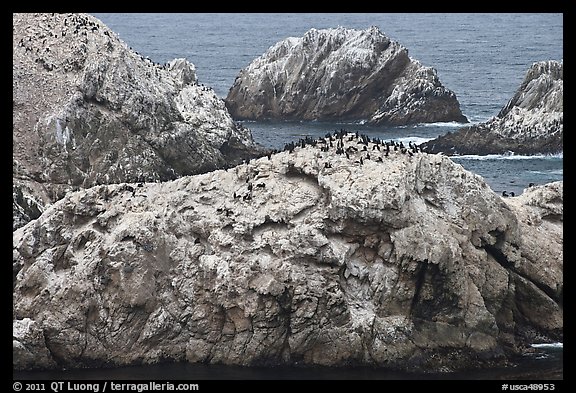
x=339 y=137
x=354 y=146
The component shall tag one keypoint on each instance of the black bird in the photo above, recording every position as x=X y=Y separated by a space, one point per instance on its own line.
x=128 y=188
x=531 y=185
x=504 y=194
x=511 y=193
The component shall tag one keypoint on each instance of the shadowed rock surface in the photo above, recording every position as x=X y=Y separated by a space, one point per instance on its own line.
x=343 y=74
x=531 y=123
x=305 y=257
x=88 y=110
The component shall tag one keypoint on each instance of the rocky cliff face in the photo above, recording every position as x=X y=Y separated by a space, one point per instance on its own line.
x=532 y=122
x=89 y=110
x=342 y=74
x=305 y=257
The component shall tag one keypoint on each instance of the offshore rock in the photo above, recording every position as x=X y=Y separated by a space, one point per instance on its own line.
x=305 y=257
x=531 y=123
x=88 y=110
x=342 y=74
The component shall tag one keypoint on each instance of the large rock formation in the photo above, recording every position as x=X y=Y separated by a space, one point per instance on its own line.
x=89 y=110
x=531 y=123
x=343 y=74
x=302 y=258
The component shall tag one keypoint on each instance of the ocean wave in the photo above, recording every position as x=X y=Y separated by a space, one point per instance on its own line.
x=510 y=157
x=551 y=172
x=443 y=124
x=414 y=139
x=548 y=345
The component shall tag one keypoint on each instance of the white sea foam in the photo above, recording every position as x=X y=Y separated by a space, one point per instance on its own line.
x=510 y=156
x=548 y=345
x=443 y=124
x=551 y=172
x=414 y=139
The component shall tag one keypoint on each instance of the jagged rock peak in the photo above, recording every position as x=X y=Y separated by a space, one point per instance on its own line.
x=88 y=110
x=542 y=90
x=341 y=73
x=402 y=260
x=183 y=71
x=532 y=122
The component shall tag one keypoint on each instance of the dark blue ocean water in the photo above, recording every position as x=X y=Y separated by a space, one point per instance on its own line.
x=481 y=57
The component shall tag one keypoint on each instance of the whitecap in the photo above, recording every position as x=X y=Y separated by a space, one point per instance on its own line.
x=551 y=172
x=414 y=139
x=509 y=156
x=548 y=345
x=443 y=124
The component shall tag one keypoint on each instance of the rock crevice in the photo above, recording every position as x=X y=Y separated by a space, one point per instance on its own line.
x=350 y=266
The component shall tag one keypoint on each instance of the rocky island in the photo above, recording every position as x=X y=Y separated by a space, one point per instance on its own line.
x=341 y=74
x=89 y=110
x=358 y=254
x=532 y=122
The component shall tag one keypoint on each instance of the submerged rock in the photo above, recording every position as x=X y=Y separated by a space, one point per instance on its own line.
x=531 y=123
x=343 y=74
x=304 y=257
x=88 y=110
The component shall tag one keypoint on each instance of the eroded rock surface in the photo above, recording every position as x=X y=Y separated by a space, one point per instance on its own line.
x=305 y=257
x=88 y=110
x=343 y=74
x=531 y=123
